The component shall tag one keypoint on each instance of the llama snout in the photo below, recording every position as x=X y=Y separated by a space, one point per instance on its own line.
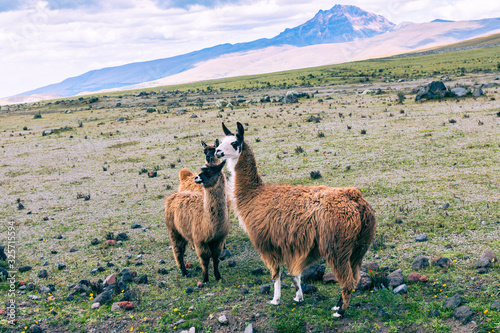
x=219 y=153
x=198 y=180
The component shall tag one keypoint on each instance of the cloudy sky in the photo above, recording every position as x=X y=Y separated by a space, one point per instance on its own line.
x=44 y=42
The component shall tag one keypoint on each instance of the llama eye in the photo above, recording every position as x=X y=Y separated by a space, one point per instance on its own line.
x=235 y=145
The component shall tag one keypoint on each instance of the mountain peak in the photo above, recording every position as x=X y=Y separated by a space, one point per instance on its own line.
x=341 y=23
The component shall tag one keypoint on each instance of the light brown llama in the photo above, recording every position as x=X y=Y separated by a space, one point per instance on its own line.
x=199 y=219
x=187 y=177
x=297 y=225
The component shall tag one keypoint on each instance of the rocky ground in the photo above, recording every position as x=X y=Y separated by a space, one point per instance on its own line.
x=85 y=178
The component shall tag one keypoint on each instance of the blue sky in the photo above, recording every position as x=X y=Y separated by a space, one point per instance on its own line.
x=44 y=42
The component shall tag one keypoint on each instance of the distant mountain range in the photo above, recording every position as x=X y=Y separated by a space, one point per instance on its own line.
x=343 y=33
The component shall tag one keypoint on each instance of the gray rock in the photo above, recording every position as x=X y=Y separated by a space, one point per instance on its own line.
x=382 y=313
x=395 y=278
x=44 y=290
x=223 y=320
x=189 y=290
x=308 y=289
x=488 y=253
x=226 y=253
x=460 y=91
x=482 y=271
x=136 y=225
x=434 y=313
x=365 y=281
x=104 y=297
x=43 y=274
x=121 y=236
x=249 y=328
x=73 y=249
x=463 y=313
x=178 y=322
x=3 y=256
x=421 y=238
x=34 y=297
x=24 y=269
x=258 y=271
x=452 y=302
x=490 y=85
x=420 y=263
x=434 y=89
x=35 y=329
x=483 y=263
x=370 y=266
x=495 y=305
x=291 y=97
x=61 y=266
x=313 y=273
x=402 y=289
x=143 y=279
x=3 y=274
x=265 y=289
x=231 y=263
x=477 y=91
x=95 y=241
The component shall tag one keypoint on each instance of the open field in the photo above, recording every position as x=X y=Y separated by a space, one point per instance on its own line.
x=408 y=159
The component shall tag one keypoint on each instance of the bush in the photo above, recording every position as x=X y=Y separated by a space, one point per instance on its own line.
x=37 y=116
x=401 y=97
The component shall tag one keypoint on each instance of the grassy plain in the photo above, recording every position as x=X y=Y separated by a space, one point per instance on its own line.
x=412 y=158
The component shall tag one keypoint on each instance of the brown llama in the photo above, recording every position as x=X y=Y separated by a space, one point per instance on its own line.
x=187 y=177
x=199 y=219
x=297 y=225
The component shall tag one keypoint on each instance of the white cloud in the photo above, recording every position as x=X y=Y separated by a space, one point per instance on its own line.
x=52 y=40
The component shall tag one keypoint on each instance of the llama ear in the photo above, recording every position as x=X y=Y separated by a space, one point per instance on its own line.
x=221 y=165
x=241 y=131
x=203 y=144
x=216 y=143
x=226 y=130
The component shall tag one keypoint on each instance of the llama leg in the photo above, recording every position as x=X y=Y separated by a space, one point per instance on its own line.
x=339 y=304
x=216 y=250
x=204 y=253
x=277 y=286
x=178 y=248
x=204 y=266
x=299 y=296
x=343 y=272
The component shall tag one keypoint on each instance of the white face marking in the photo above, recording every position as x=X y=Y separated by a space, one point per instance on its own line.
x=226 y=150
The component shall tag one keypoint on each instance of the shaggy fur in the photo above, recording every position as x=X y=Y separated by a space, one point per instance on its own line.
x=297 y=225
x=199 y=219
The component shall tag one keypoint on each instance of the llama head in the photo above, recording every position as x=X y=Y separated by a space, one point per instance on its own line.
x=231 y=145
x=209 y=175
x=209 y=151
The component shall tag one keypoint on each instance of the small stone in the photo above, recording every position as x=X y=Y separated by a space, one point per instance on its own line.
x=420 y=263
x=483 y=263
x=115 y=306
x=365 y=281
x=482 y=271
x=35 y=329
x=226 y=253
x=424 y=278
x=143 y=279
x=265 y=289
x=110 y=264
x=463 y=313
x=370 y=266
x=144 y=230
x=61 y=266
x=178 y=322
x=73 y=249
x=161 y=262
x=313 y=273
x=258 y=271
x=308 y=289
x=24 y=269
x=53 y=251
x=445 y=206
x=257 y=281
x=95 y=241
x=244 y=291
x=136 y=225
x=110 y=280
x=231 y=263
x=488 y=253
x=398 y=220
x=189 y=290
x=45 y=263
x=434 y=313
x=126 y=305
x=223 y=320
x=34 y=297
x=163 y=271
x=95 y=305
x=110 y=242
x=414 y=277
x=402 y=289
x=94 y=271
x=43 y=274
x=382 y=313
x=122 y=236
x=452 y=302
x=119 y=243
x=249 y=328
x=395 y=278
x=129 y=295
x=441 y=262
x=329 y=278
x=128 y=255
x=70 y=298
x=495 y=305
x=138 y=263
x=421 y=238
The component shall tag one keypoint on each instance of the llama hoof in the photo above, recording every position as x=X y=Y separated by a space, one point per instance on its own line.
x=298 y=299
x=337 y=315
x=273 y=302
x=335 y=308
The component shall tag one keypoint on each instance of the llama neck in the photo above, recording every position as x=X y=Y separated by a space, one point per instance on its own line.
x=215 y=202
x=246 y=175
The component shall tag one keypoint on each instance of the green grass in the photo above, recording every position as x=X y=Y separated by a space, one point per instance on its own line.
x=406 y=165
